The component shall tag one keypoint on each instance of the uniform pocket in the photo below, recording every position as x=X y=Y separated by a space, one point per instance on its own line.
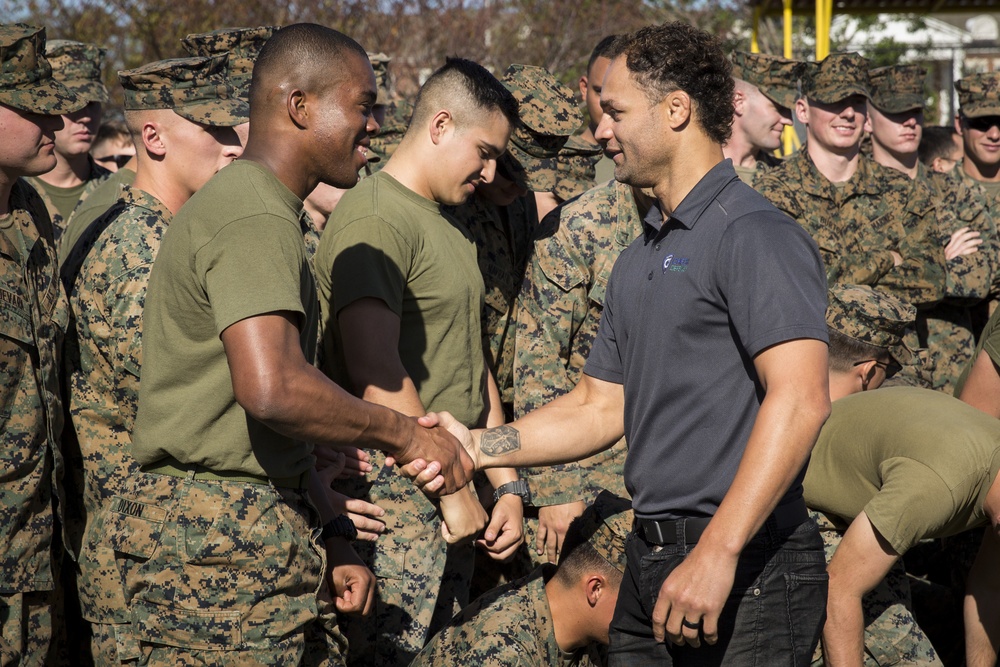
x=209 y=630
x=805 y=595
x=134 y=528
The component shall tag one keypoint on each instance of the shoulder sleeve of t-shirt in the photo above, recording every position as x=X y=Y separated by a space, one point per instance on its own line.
x=992 y=341
x=605 y=360
x=367 y=258
x=771 y=275
x=913 y=503
x=253 y=266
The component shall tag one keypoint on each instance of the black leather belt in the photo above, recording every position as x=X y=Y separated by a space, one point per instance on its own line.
x=689 y=531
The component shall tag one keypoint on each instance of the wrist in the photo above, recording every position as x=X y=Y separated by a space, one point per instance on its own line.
x=340 y=527
x=518 y=488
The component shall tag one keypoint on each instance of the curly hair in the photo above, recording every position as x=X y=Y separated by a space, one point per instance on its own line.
x=678 y=56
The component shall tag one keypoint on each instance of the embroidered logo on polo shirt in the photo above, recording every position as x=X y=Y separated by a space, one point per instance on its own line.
x=677 y=264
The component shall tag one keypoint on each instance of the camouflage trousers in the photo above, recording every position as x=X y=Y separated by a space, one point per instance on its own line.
x=26 y=628
x=422 y=581
x=219 y=573
x=892 y=636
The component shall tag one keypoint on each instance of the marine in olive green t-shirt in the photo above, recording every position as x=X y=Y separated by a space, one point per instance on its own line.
x=918 y=462
x=233 y=251
x=385 y=241
x=94 y=206
x=989 y=342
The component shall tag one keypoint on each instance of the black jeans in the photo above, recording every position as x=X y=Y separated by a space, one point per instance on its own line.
x=773 y=616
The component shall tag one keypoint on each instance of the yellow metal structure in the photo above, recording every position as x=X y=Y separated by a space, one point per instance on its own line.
x=788 y=137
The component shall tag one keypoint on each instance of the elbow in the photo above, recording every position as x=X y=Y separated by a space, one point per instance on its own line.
x=265 y=397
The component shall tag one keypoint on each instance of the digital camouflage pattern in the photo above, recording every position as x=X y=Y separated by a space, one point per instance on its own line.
x=97 y=175
x=892 y=636
x=195 y=88
x=380 y=65
x=503 y=238
x=572 y=171
x=775 y=77
x=870 y=316
x=33 y=320
x=898 y=88
x=77 y=66
x=100 y=199
x=385 y=141
x=242 y=44
x=947 y=330
x=979 y=94
x=558 y=312
x=548 y=114
x=510 y=626
x=835 y=78
x=103 y=360
x=268 y=601
x=857 y=224
x=26 y=81
x=605 y=525
x=422 y=581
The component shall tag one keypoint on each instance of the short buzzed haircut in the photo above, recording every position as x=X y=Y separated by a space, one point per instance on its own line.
x=936 y=141
x=677 y=56
x=604 y=49
x=845 y=351
x=299 y=46
x=461 y=85
x=578 y=557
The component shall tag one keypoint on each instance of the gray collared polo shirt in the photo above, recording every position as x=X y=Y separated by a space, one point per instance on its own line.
x=688 y=307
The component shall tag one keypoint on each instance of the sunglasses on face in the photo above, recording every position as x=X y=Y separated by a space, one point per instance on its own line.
x=119 y=160
x=982 y=123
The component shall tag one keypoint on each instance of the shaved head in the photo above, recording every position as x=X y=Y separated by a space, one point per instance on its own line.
x=306 y=56
x=467 y=90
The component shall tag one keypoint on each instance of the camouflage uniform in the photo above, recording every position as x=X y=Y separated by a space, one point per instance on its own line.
x=892 y=635
x=97 y=203
x=855 y=226
x=106 y=275
x=558 y=313
x=33 y=319
x=946 y=329
x=78 y=67
x=776 y=78
x=513 y=625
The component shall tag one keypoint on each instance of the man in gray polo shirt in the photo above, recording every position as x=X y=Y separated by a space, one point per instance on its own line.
x=712 y=359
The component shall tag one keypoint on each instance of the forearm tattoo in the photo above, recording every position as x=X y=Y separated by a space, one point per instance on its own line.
x=500 y=440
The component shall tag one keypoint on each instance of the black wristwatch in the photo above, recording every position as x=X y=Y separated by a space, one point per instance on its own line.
x=518 y=488
x=342 y=526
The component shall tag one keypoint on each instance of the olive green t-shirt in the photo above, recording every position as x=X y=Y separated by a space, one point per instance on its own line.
x=385 y=241
x=918 y=462
x=233 y=251
x=64 y=199
x=989 y=341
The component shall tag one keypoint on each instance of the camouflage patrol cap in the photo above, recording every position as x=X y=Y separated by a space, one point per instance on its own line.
x=380 y=63
x=605 y=525
x=979 y=94
x=242 y=45
x=195 y=88
x=775 y=77
x=871 y=316
x=835 y=78
x=385 y=142
x=26 y=81
x=897 y=88
x=78 y=67
x=548 y=114
x=570 y=172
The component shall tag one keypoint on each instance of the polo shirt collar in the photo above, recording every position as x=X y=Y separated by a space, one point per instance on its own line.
x=697 y=200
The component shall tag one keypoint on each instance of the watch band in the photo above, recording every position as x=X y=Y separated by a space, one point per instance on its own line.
x=518 y=488
x=341 y=526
